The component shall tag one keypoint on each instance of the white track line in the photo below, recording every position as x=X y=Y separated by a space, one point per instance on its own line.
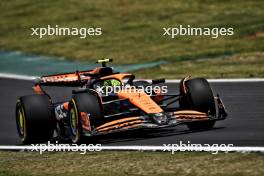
x=29 y=78
x=45 y=148
x=226 y=80
x=15 y=76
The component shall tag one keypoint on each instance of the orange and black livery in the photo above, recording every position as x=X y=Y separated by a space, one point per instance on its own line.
x=91 y=112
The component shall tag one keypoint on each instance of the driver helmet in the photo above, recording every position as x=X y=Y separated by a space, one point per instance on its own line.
x=112 y=82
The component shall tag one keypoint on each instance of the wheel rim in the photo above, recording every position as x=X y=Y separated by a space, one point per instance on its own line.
x=21 y=123
x=73 y=122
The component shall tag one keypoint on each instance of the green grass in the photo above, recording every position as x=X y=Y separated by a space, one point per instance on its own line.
x=132 y=30
x=235 y=66
x=131 y=163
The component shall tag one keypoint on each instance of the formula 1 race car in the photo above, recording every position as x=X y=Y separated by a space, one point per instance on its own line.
x=94 y=110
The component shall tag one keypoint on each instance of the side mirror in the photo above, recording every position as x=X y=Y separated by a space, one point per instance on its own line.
x=158 y=81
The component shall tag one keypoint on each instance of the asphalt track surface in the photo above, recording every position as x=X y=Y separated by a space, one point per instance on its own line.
x=243 y=127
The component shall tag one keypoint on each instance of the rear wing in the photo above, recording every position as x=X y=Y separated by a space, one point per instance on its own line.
x=77 y=78
x=73 y=79
x=66 y=79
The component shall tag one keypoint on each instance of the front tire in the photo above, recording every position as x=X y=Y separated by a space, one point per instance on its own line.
x=88 y=103
x=197 y=95
x=34 y=119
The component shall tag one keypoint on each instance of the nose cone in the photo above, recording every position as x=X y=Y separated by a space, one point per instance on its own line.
x=141 y=100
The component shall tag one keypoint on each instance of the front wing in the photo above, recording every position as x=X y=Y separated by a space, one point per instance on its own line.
x=167 y=119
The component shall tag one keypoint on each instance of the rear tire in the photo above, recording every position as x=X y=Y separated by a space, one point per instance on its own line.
x=34 y=119
x=198 y=96
x=88 y=103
